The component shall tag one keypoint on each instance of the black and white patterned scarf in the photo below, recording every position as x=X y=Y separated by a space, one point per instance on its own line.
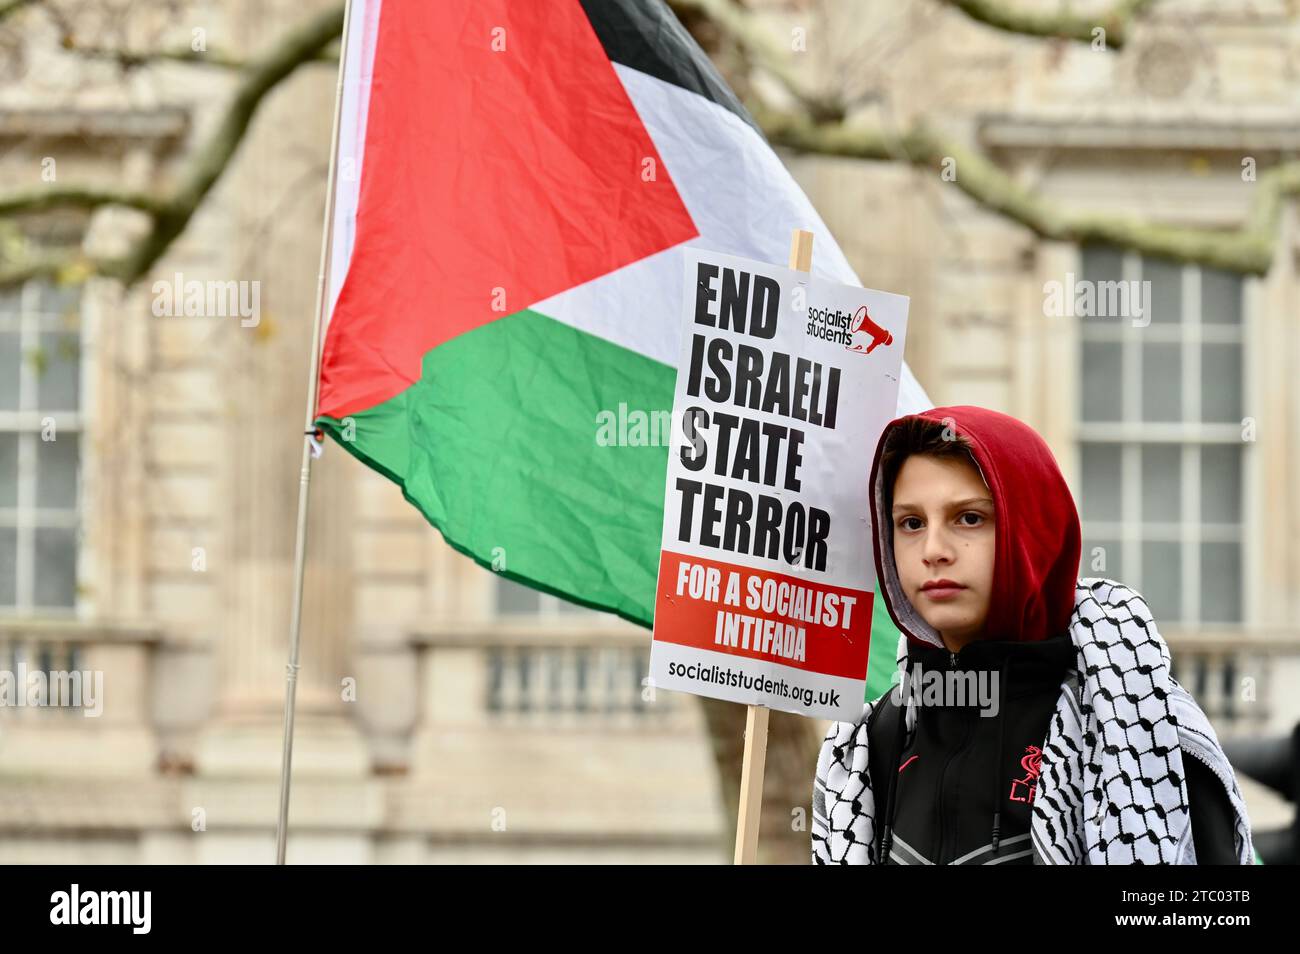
x=1111 y=788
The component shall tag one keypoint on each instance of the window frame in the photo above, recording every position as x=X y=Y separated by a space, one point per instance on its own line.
x=1190 y=433
x=27 y=422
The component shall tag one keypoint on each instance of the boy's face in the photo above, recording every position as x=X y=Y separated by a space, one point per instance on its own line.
x=943 y=531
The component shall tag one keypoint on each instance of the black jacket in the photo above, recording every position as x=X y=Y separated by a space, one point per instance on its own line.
x=964 y=786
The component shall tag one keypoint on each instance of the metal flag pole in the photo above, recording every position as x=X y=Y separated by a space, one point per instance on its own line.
x=304 y=476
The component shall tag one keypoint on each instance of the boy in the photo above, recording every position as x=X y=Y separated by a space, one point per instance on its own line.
x=1086 y=750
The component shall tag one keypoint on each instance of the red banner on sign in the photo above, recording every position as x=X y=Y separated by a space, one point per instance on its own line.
x=758 y=614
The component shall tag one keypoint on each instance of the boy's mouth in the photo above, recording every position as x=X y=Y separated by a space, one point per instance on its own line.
x=941 y=589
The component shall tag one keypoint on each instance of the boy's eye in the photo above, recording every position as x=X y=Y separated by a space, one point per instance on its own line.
x=969 y=518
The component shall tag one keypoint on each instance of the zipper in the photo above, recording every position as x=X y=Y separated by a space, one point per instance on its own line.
x=941 y=858
x=1195 y=750
x=1187 y=744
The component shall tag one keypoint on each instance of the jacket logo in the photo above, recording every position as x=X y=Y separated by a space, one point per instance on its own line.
x=1022 y=789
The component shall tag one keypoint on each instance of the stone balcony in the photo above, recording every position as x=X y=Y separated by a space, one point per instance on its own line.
x=106 y=730
x=545 y=740
x=1243 y=679
x=506 y=741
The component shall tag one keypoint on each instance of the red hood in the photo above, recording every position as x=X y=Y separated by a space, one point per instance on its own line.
x=1037 y=528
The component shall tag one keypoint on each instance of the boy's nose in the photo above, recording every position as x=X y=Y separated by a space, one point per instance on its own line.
x=937 y=549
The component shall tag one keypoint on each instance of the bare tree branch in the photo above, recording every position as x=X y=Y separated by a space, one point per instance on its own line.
x=764 y=51
x=43 y=200
x=260 y=77
x=171 y=214
x=58 y=268
x=13 y=6
x=133 y=59
x=1247 y=249
x=1010 y=18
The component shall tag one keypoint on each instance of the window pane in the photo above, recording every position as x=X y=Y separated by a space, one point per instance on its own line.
x=1162 y=568
x=56 y=566
x=57 y=365
x=1162 y=382
x=1101 y=263
x=1221 y=382
x=11 y=358
x=1162 y=486
x=1221 y=483
x=1220 y=582
x=56 y=472
x=58 y=301
x=1101 y=482
x=1220 y=297
x=571 y=609
x=1101 y=381
x=8 y=566
x=1101 y=557
x=1166 y=290
x=514 y=598
x=8 y=469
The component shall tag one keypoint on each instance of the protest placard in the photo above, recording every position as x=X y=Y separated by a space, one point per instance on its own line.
x=766 y=575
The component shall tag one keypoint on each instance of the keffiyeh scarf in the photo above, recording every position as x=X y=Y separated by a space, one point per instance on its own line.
x=1111 y=788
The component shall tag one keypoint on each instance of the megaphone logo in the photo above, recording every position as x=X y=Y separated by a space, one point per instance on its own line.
x=865 y=334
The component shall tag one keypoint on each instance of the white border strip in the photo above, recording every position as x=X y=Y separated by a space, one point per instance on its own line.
x=363 y=30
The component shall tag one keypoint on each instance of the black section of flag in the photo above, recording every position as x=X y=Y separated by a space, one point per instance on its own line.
x=645 y=35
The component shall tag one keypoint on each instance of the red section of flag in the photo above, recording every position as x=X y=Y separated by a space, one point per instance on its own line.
x=504 y=163
x=830 y=648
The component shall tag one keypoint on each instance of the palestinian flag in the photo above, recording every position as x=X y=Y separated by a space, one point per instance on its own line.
x=516 y=182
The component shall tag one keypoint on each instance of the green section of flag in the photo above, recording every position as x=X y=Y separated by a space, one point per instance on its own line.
x=497 y=445
x=882 y=662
